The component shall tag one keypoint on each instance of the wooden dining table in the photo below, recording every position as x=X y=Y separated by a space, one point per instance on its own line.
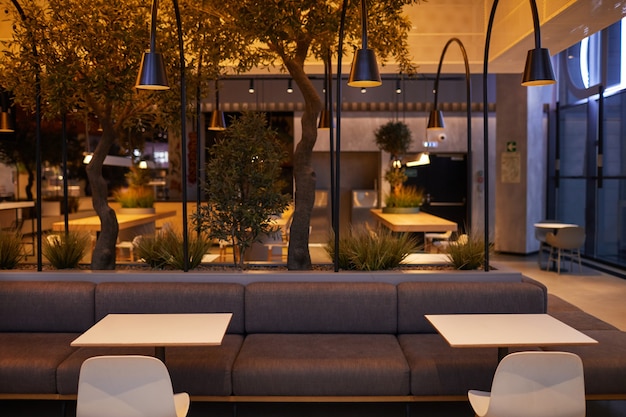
x=414 y=222
x=125 y=221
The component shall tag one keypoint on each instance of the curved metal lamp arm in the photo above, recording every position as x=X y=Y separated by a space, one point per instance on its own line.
x=535 y=16
x=183 y=134
x=468 y=97
x=536 y=26
x=20 y=11
x=363 y=25
x=153 y=25
x=465 y=61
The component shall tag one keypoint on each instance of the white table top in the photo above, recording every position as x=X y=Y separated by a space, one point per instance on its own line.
x=506 y=330
x=156 y=330
x=9 y=205
x=553 y=225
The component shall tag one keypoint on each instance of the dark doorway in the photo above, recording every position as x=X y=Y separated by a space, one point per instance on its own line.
x=444 y=181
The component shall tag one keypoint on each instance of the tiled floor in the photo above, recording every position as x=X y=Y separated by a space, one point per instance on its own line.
x=597 y=293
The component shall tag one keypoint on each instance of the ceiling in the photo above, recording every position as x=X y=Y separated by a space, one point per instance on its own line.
x=563 y=23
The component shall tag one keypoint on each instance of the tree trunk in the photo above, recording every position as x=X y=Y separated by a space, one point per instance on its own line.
x=103 y=256
x=29 y=185
x=298 y=257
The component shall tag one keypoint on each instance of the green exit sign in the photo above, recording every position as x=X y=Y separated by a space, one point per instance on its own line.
x=511 y=146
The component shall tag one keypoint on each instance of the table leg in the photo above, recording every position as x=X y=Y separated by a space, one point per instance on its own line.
x=159 y=352
x=502 y=352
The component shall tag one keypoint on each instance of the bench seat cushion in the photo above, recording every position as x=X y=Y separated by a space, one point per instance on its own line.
x=438 y=369
x=204 y=370
x=321 y=364
x=201 y=370
x=574 y=316
x=604 y=363
x=29 y=361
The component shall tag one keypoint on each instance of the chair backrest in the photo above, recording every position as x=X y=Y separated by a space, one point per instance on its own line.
x=538 y=384
x=124 y=386
x=462 y=239
x=571 y=237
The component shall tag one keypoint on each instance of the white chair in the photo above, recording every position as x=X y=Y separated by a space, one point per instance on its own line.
x=127 y=386
x=540 y=235
x=444 y=245
x=534 y=384
x=430 y=238
x=565 y=244
x=128 y=246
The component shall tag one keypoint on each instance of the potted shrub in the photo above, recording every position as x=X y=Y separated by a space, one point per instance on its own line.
x=138 y=195
x=244 y=190
x=394 y=137
x=404 y=200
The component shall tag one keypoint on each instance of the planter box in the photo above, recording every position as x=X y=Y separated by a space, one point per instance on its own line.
x=246 y=277
x=401 y=210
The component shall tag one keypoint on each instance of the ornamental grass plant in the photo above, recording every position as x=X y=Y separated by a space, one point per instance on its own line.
x=366 y=249
x=11 y=250
x=65 y=250
x=165 y=250
x=405 y=197
x=467 y=254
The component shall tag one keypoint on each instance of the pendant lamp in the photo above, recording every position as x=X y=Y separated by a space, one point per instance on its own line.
x=152 y=75
x=6 y=122
x=218 y=122
x=364 y=72
x=538 y=69
x=435 y=120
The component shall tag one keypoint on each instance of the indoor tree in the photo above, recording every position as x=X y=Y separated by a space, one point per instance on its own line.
x=87 y=56
x=243 y=187
x=288 y=33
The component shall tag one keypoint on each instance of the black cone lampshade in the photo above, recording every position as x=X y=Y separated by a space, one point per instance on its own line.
x=325 y=121
x=435 y=120
x=152 y=75
x=364 y=71
x=6 y=122
x=218 y=122
x=538 y=70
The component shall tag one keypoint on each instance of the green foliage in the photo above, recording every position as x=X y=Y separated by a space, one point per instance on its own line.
x=135 y=197
x=244 y=187
x=11 y=250
x=165 y=250
x=405 y=197
x=394 y=138
x=65 y=250
x=395 y=177
x=372 y=250
x=467 y=253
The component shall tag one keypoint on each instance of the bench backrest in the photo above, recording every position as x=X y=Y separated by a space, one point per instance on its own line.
x=415 y=299
x=321 y=307
x=46 y=306
x=172 y=297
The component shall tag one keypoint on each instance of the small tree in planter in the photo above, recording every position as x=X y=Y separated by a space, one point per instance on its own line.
x=394 y=137
x=243 y=186
x=138 y=194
